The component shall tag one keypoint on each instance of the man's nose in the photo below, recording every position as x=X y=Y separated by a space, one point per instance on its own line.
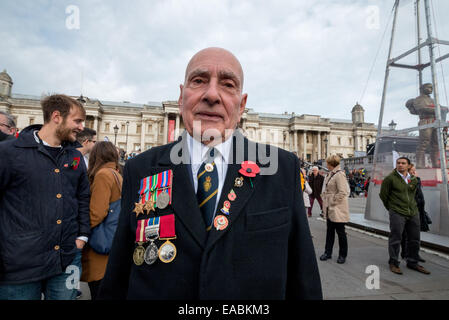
x=212 y=95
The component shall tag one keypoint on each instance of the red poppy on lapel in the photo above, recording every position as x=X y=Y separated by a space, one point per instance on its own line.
x=75 y=163
x=249 y=169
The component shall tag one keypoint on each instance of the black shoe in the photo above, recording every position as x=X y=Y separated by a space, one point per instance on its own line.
x=324 y=257
x=341 y=260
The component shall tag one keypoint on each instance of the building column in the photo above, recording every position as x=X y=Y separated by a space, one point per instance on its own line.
x=165 y=128
x=319 y=146
x=295 y=141
x=96 y=124
x=177 y=127
x=304 y=139
x=142 y=135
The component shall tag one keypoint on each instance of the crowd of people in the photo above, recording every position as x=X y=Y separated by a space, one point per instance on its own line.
x=175 y=225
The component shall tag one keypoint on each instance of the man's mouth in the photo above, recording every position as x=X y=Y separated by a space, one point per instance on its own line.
x=210 y=116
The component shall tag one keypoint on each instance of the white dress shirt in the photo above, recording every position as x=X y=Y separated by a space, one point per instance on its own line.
x=198 y=151
x=406 y=178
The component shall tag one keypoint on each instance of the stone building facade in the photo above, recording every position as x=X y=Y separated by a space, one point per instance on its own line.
x=142 y=126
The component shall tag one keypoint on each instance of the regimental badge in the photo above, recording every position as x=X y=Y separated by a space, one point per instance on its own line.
x=238 y=182
x=207 y=184
x=231 y=195
x=221 y=222
x=209 y=167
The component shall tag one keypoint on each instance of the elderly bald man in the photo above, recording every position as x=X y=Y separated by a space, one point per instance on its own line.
x=219 y=222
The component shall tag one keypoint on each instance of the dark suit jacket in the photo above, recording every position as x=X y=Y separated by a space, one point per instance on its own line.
x=266 y=252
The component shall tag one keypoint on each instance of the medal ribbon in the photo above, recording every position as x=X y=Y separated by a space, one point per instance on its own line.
x=167 y=227
x=140 y=230
x=154 y=185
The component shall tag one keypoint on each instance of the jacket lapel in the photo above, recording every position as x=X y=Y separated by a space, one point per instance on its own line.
x=184 y=201
x=243 y=194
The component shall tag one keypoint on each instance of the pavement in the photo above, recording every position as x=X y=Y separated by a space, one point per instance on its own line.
x=366 y=274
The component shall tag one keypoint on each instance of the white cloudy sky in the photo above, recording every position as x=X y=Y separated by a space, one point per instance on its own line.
x=307 y=57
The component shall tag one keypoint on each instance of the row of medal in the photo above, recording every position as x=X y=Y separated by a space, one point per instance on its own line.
x=155 y=192
x=147 y=232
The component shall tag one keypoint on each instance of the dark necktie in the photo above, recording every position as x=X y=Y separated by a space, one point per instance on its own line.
x=207 y=188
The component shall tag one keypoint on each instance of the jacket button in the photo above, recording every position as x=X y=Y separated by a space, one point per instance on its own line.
x=56 y=247
x=59 y=196
x=57 y=170
x=58 y=221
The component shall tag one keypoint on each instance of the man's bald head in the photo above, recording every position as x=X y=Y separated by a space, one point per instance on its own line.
x=214 y=53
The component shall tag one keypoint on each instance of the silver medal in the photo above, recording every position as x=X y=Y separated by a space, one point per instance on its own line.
x=162 y=200
x=151 y=253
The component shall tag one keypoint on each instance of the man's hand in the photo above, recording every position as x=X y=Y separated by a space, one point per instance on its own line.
x=80 y=243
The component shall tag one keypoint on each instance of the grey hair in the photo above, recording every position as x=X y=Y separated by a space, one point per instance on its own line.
x=9 y=118
x=315 y=167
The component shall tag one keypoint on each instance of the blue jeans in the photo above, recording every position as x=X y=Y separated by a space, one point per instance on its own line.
x=60 y=287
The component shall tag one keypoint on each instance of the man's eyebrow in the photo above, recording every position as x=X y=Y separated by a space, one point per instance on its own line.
x=225 y=74
x=198 y=72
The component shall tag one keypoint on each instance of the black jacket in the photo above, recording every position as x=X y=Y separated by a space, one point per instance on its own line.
x=266 y=252
x=316 y=183
x=44 y=207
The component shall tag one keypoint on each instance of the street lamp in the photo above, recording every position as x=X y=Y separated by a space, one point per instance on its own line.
x=325 y=144
x=392 y=125
x=115 y=133
x=126 y=147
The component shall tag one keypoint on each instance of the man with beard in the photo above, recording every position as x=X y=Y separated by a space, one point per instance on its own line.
x=44 y=206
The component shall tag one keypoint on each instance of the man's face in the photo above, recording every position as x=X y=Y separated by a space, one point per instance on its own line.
x=315 y=172
x=90 y=143
x=4 y=127
x=402 y=165
x=70 y=125
x=412 y=171
x=212 y=92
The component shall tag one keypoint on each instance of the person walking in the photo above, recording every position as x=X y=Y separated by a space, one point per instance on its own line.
x=316 y=181
x=336 y=209
x=397 y=193
x=105 y=186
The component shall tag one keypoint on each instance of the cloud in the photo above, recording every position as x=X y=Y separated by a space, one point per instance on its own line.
x=298 y=56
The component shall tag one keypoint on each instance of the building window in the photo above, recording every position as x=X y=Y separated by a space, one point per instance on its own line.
x=139 y=128
x=149 y=128
x=122 y=128
x=31 y=121
x=350 y=141
x=339 y=140
x=307 y=138
x=106 y=127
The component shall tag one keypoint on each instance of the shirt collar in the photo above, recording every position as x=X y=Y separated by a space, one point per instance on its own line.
x=404 y=177
x=198 y=150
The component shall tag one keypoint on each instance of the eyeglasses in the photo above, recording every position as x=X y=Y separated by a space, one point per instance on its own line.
x=2 y=124
x=94 y=141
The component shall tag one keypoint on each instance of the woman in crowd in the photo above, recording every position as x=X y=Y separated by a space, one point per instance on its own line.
x=105 y=187
x=336 y=209
x=306 y=190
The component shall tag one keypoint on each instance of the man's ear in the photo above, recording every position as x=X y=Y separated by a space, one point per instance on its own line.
x=56 y=117
x=181 y=88
x=243 y=104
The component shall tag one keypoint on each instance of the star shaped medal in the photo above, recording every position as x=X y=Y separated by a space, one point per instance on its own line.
x=138 y=209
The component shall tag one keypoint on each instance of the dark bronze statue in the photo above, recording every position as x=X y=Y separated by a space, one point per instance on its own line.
x=424 y=107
